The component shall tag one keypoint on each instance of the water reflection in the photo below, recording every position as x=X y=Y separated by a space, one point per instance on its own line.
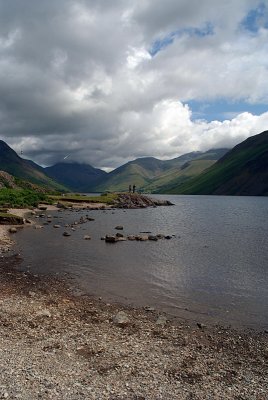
x=216 y=265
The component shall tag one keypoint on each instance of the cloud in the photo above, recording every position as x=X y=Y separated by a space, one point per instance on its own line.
x=80 y=77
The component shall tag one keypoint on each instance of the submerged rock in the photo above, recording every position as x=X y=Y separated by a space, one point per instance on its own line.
x=87 y=237
x=119 y=227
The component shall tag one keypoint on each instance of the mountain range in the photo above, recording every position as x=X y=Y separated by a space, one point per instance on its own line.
x=241 y=171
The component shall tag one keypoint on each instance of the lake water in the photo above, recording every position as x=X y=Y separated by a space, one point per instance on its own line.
x=214 y=269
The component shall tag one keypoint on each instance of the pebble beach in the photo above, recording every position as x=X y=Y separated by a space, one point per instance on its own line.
x=55 y=344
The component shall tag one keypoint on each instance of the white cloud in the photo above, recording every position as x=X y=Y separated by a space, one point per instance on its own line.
x=77 y=76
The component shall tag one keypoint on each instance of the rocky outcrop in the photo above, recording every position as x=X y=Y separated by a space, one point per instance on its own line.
x=10 y=219
x=135 y=200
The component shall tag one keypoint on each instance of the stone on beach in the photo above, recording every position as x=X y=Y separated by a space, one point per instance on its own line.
x=119 y=227
x=121 y=319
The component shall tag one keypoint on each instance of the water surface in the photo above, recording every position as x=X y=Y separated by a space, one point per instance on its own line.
x=214 y=268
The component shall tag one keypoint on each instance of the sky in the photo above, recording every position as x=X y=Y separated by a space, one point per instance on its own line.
x=108 y=81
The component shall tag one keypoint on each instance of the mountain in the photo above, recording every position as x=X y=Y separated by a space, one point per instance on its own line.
x=242 y=171
x=77 y=177
x=139 y=172
x=152 y=175
x=24 y=169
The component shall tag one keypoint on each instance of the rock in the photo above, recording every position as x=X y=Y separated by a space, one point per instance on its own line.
x=66 y=234
x=160 y=236
x=32 y=294
x=103 y=238
x=168 y=237
x=33 y=212
x=111 y=239
x=149 y=308
x=28 y=221
x=44 y=313
x=119 y=235
x=153 y=237
x=90 y=219
x=121 y=319
x=56 y=226
x=43 y=208
x=38 y=227
x=119 y=227
x=131 y=237
x=200 y=325
x=12 y=230
x=10 y=219
x=143 y=238
x=121 y=239
x=87 y=237
x=161 y=320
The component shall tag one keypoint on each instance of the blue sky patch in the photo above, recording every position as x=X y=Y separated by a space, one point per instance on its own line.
x=256 y=18
x=223 y=109
x=161 y=44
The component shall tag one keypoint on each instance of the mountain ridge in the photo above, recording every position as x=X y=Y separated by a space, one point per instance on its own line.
x=241 y=171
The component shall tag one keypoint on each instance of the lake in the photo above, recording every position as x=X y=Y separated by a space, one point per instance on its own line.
x=214 y=269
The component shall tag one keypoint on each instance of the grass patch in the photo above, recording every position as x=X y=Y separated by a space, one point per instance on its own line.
x=21 y=198
x=107 y=198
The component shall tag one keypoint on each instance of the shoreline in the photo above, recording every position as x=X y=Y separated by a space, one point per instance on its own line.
x=67 y=346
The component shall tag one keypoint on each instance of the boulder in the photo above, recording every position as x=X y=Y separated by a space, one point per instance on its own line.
x=121 y=319
x=111 y=239
x=66 y=234
x=119 y=235
x=119 y=227
x=13 y=230
x=131 y=237
x=121 y=239
x=153 y=237
x=43 y=208
x=56 y=226
x=161 y=320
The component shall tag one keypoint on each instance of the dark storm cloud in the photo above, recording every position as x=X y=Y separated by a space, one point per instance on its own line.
x=77 y=76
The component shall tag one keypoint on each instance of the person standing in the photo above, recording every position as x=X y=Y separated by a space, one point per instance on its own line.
x=134 y=188
x=129 y=189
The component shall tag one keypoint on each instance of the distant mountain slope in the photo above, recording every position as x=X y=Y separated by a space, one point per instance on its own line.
x=152 y=175
x=24 y=169
x=242 y=171
x=139 y=172
x=77 y=177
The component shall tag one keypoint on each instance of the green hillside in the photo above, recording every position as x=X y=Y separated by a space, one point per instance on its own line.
x=139 y=172
x=242 y=171
x=25 y=169
x=152 y=175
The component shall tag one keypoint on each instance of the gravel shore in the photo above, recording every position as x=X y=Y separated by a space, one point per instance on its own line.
x=55 y=345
